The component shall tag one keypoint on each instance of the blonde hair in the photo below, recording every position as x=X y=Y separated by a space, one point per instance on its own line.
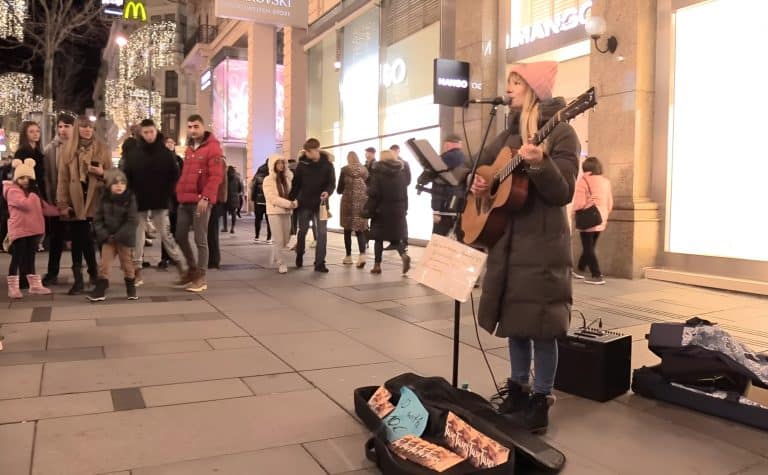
x=387 y=156
x=353 y=160
x=529 y=116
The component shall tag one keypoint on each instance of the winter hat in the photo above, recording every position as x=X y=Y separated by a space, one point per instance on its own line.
x=112 y=176
x=25 y=168
x=539 y=76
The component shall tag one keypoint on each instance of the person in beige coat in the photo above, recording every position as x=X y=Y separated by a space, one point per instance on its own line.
x=81 y=180
x=277 y=189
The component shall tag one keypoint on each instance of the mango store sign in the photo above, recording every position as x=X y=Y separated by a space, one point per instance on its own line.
x=561 y=21
x=272 y=12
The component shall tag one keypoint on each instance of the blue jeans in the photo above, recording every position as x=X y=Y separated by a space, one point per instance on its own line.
x=545 y=360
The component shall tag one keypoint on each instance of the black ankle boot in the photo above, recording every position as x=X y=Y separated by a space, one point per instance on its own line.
x=130 y=289
x=513 y=397
x=99 y=291
x=78 y=287
x=535 y=416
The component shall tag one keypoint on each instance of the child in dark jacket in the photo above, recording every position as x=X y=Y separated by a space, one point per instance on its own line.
x=115 y=226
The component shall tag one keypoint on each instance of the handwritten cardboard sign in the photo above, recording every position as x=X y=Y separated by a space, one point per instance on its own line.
x=450 y=267
x=409 y=417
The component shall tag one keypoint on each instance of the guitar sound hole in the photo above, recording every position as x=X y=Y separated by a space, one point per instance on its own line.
x=494 y=188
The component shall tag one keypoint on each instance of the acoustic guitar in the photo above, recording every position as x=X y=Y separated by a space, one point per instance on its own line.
x=485 y=218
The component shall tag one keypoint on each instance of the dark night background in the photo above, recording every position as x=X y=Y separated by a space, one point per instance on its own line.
x=72 y=90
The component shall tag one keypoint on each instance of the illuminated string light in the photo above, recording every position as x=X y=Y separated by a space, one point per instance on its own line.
x=13 y=14
x=15 y=93
x=126 y=103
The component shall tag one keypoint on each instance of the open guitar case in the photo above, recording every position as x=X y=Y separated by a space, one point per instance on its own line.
x=528 y=453
x=705 y=369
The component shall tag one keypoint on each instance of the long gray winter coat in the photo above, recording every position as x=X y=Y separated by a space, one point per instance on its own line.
x=527 y=288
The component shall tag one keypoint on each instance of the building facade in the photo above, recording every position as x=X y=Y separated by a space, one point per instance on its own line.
x=370 y=85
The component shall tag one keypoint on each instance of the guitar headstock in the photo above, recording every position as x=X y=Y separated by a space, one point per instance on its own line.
x=581 y=104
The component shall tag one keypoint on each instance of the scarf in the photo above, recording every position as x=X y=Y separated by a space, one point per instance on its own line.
x=84 y=157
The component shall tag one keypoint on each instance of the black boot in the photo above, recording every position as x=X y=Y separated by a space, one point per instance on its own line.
x=535 y=416
x=78 y=287
x=49 y=280
x=512 y=397
x=99 y=291
x=299 y=261
x=130 y=289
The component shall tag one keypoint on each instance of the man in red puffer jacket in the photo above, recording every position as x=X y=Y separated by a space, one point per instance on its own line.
x=196 y=192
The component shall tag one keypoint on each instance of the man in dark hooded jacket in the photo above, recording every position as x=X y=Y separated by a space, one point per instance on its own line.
x=152 y=173
x=313 y=182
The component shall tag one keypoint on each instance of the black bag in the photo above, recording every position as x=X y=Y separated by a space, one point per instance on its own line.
x=369 y=210
x=588 y=217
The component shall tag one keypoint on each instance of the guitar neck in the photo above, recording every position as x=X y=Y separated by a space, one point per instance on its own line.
x=537 y=139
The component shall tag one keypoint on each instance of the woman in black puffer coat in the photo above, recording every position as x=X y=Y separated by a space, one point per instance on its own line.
x=387 y=207
x=234 y=192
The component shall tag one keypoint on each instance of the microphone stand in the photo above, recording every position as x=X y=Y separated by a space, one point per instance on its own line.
x=463 y=205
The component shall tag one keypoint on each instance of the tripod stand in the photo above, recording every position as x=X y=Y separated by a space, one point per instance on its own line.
x=456 y=303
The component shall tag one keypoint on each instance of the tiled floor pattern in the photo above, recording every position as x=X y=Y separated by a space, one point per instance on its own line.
x=255 y=376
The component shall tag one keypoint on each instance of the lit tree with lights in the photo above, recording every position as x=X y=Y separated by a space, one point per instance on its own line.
x=53 y=24
x=147 y=49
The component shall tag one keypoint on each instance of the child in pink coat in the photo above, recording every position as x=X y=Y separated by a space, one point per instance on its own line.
x=26 y=226
x=592 y=188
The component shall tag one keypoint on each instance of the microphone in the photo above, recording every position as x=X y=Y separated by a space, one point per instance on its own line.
x=496 y=101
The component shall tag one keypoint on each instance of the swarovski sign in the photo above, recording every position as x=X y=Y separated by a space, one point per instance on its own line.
x=271 y=12
x=564 y=20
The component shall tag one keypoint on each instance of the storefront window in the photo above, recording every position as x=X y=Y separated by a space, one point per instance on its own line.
x=230 y=100
x=359 y=69
x=406 y=78
x=323 y=116
x=717 y=174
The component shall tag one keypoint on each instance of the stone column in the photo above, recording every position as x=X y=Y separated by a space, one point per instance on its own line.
x=621 y=134
x=261 y=95
x=476 y=34
x=296 y=90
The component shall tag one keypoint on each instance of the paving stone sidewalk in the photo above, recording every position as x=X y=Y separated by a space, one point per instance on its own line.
x=255 y=376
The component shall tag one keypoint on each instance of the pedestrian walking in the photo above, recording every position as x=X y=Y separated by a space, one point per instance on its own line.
x=277 y=192
x=592 y=189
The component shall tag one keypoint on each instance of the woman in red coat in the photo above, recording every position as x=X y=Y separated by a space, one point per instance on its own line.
x=592 y=188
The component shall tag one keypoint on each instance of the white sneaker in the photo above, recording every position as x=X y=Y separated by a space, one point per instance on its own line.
x=347 y=261
x=577 y=275
x=361 y=261
x=312 y=244
x=600 y=280
x=268 y=241
x=256 y=240
x=283 y=269
x=292 y=243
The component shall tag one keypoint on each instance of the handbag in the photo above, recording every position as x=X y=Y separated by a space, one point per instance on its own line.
x=324 y=213
x=368 y=211
x=588 y=217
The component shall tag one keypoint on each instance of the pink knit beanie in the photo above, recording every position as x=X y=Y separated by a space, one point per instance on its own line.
x=539 y=76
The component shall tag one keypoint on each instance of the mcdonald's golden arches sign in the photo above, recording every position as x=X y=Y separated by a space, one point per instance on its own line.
x=135 y=10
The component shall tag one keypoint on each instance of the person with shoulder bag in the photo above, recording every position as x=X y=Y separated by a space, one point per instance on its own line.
x=592 y=203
